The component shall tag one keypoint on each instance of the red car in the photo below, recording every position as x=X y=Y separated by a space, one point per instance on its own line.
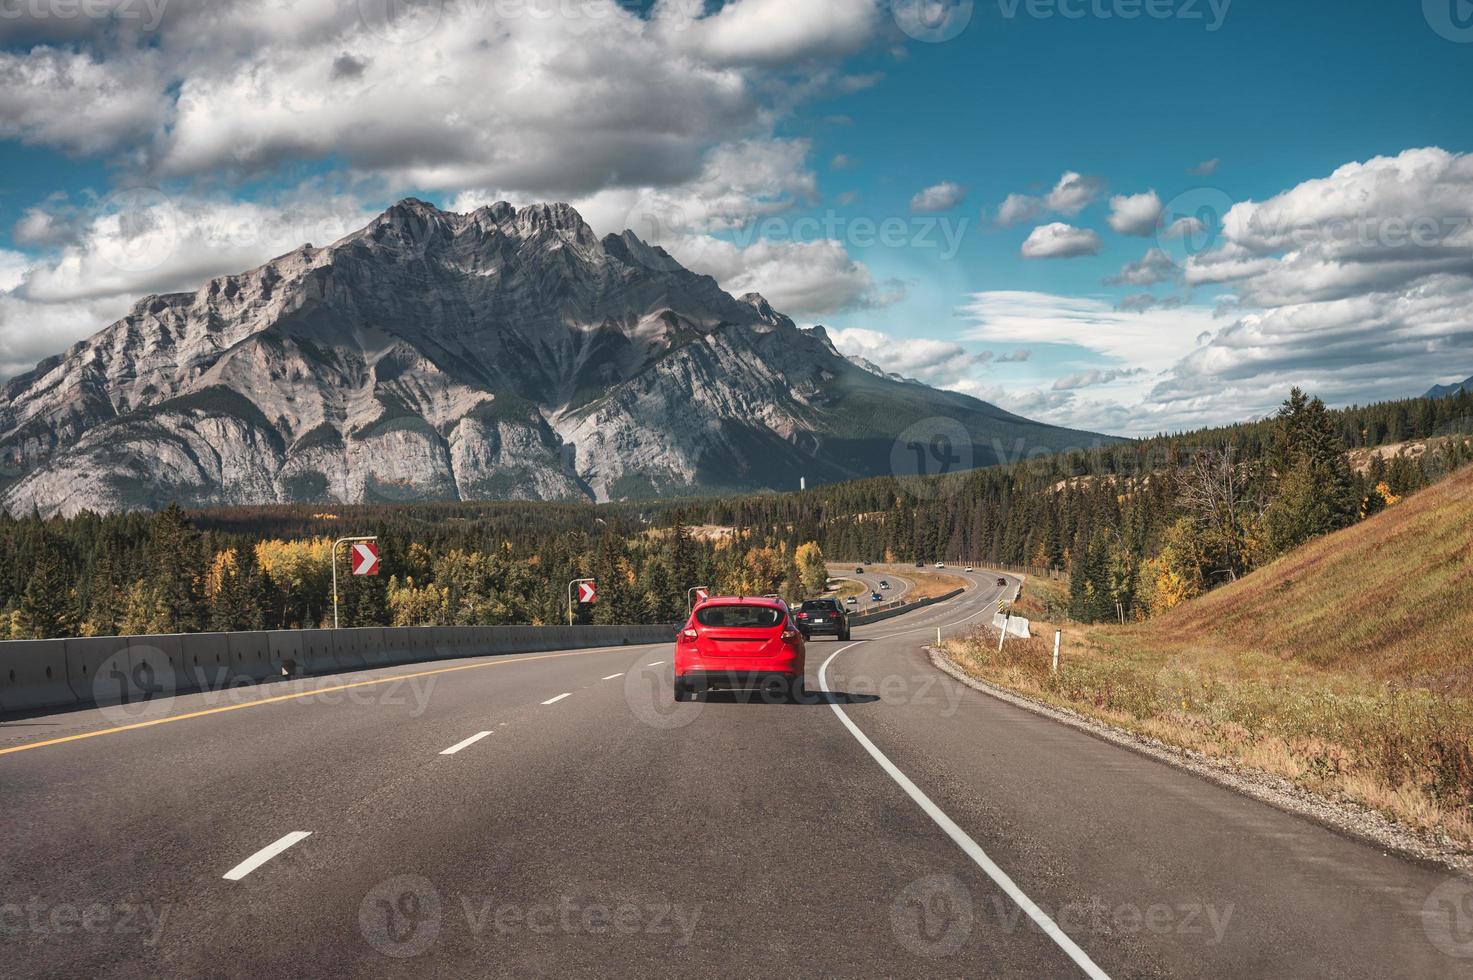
x=739 y=642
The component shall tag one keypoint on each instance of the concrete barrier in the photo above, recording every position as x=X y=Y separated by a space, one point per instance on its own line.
x=33 y=675
x=1016 y=625
x=248 y=658
x=156 y=667
x=205 y=661
x=112 y=670
x=315 y=654
x=371 y=647
x=287 y=655
x=97 y=669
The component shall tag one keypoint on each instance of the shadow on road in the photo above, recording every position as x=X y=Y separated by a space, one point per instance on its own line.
x=769 y=697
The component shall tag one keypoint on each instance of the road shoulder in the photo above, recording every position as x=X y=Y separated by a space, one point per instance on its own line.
x=1345 y=818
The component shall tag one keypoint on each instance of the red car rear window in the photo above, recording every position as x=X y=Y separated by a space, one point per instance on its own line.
x=739 y=617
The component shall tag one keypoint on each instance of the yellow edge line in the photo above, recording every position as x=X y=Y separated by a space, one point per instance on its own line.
x=293 y=697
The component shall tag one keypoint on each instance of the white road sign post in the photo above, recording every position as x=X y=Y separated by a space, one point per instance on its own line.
x=587 y=594
x=363 y=561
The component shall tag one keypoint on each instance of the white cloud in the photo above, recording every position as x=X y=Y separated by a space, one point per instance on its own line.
x=1073 y=193
x=1018 y=208
x=801 y=279
x=765 y=32
x=1183 y=229
x=1060 y=241
x=941 y=363
x=597 y=96
x=1087 y=379
x=76 y=102
x=1135 y=214
x=1153 y=267
x=1206 y=168
x=939 y=197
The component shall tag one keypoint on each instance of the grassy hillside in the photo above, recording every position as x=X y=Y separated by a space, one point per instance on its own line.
x=1346 y=666
x=1390 y=599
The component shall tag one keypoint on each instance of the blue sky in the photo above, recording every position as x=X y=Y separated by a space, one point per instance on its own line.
x=763 y=141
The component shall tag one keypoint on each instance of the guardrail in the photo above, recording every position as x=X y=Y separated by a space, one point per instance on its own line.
x=889 y=610
x=37 y=674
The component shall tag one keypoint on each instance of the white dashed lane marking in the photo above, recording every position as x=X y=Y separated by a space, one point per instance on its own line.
x=468 y=742
x=265 y=854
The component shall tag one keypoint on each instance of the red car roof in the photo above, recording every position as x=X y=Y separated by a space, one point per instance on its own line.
x=739 y=600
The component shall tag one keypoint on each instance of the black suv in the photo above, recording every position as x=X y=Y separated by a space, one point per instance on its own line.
x=823 y=616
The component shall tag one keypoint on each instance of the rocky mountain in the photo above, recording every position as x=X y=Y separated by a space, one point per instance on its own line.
x=1442 y=391
x=503 y=354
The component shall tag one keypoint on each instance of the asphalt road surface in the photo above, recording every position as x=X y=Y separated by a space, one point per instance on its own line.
x=899 y=825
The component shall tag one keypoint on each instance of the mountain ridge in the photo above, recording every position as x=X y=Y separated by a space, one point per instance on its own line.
x=504 y=353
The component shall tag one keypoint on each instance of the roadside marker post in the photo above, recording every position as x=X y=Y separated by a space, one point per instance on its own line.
x=369 y=568
x=587 y=594
x=1057 y=635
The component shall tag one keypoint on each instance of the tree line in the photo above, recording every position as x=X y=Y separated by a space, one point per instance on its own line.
x=1140 y=525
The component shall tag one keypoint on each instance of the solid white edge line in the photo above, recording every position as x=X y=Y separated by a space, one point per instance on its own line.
x=468 y=742
x=265 y=854
x=612 y=676
x=657 y=663
x=960 y=837
x=558 y=698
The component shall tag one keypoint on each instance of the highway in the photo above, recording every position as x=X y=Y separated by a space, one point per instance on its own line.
x=557 y=814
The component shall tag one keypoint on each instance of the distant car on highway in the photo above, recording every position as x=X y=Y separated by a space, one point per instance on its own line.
x=851 y=601
x=823 y=616
x=941 y=564
x=1002 y=582
x=859 y=571
x=868 y=562
x=875 y=597
x=739 y=643
x=920 y=564
x=969 y=568
x=884 y=584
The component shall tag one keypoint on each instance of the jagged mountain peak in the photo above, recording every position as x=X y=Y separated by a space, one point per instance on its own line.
x=508 y=352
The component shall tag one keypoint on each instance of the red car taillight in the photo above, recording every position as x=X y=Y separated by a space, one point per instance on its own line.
x=790 y=634
x=802 y=615
x=688 y=634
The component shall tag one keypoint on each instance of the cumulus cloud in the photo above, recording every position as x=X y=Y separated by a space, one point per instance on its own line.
x=939 y=197
x=1018 y=208
x=1183 y=229
x=941 y=363
x=1135 y=214
x=599 y=96
x=1357 y=286
x=801 y=279
x=1072 y=194
x=1153 y=267
x=766 y=32
x=1060 y=241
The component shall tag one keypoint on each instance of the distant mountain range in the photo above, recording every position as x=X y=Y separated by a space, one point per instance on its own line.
x=1442 y=391
x=503 y=354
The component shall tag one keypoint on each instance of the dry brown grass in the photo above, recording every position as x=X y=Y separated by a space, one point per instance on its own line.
x=924 y=583
x=1346 y=666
